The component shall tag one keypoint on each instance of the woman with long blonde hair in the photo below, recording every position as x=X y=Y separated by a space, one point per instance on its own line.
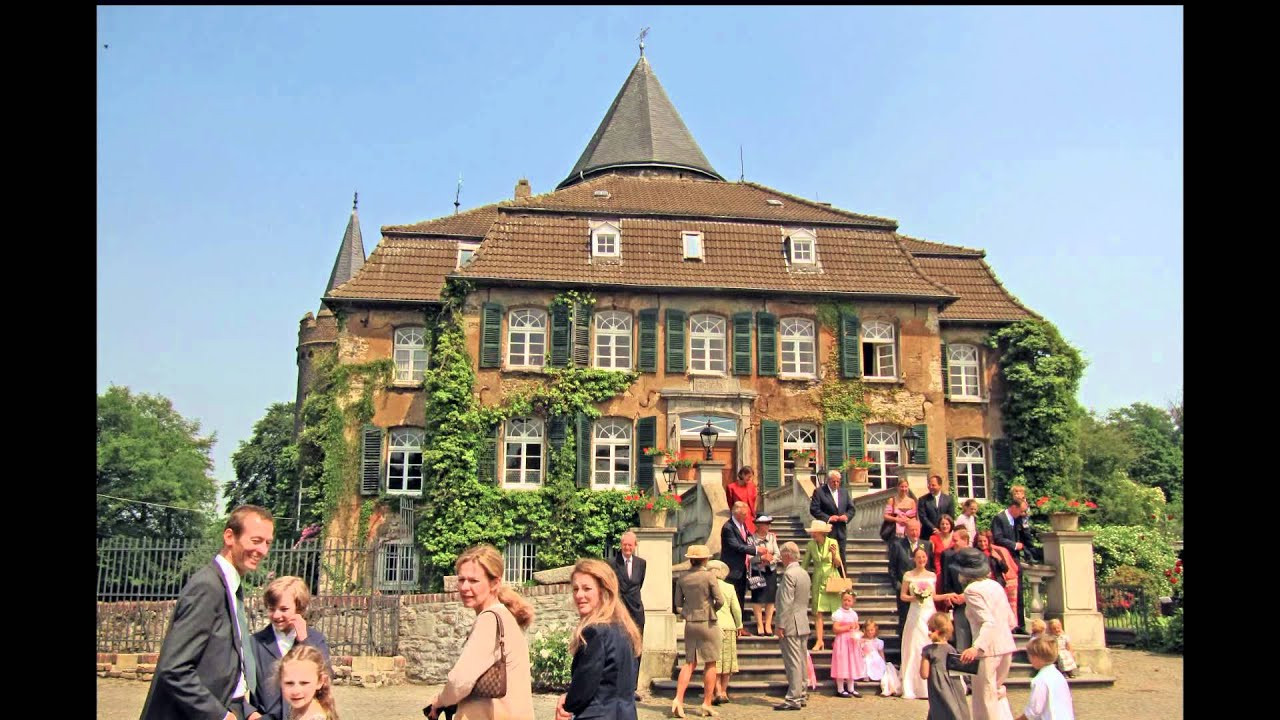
x=604 y=647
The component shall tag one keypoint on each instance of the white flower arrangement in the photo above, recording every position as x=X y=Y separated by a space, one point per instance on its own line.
x=923 y=590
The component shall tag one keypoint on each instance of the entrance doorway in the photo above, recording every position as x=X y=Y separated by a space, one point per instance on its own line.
x=725 y=452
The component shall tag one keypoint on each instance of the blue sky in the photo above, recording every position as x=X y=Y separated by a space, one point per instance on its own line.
x=230 y=140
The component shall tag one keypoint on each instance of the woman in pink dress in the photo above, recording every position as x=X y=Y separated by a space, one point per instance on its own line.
x=901 y=507
x=744 y=489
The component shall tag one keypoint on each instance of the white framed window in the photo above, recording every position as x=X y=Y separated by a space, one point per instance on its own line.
x=522 y=456
x=691 y=426
x=410 y=353
x=879 y=357
x=962 y=372
x=802 y=247
x=706 y=343
x=611 y=453
x=692 y=243
x=884 y=447
x=466 y=251
x=606 y=240
x=795 y=437
x=613 y=340
x=404 y=461
x=519 y=561
x=527 y=338
x=971 y=470
x=798 y=343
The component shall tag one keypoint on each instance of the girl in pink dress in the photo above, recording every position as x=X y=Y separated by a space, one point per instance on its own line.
x=877 y=669
x=847 y=664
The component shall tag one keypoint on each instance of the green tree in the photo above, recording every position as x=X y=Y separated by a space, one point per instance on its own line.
x=148 y=453
x=1155 y=439
x=266 y=468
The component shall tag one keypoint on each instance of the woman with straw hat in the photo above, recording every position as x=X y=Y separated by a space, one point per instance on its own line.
x=821 y=558
x=697 y=599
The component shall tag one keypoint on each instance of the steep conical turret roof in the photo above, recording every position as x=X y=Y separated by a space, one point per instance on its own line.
x=350 y=254
x=641 y=128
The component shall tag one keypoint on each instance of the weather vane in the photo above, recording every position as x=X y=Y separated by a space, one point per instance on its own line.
x=641 y=39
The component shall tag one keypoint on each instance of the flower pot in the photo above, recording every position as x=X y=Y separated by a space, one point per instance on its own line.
x=804 y=463
x=858 y=476
x=1064 y=521
x=653 y=518
x=686 y=474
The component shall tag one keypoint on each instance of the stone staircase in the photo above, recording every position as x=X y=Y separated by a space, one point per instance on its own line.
x=760 y=669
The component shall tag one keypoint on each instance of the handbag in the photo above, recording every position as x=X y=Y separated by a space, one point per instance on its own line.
x=838 y=583
x=756 y=581
x=888 y=530
x=492 y=683
x=954 y=664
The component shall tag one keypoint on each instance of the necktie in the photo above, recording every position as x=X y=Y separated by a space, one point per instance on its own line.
x=629 y=569
x=246 y=652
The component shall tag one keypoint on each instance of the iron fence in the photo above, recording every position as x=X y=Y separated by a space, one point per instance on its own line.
x=1126 y=611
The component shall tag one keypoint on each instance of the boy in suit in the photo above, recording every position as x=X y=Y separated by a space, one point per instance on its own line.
x=286 y=599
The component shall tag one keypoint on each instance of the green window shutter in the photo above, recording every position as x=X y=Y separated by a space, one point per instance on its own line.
x=487 y=457
x=834 y=435
x=560 y=335
x=371 y=460
x=850 y=336
x=646 y=436
x=742 y=343
x=766 y=344
x=648 y=355
x=555 y=433
x=951 y=465
x=582 y=335
x=1002 y=454
x=491 y=336
x=676 y=320
x=853 y=440
x=921 y=455
x=582 y=436
x=770 y=454
x=946 y=378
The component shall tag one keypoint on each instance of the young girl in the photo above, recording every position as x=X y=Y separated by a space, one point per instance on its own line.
x=847 y=664
x=968 y=509
x=873 y=657
x=946 y=696
x=307 y=688
x=1037 y=628
x=1066 y=658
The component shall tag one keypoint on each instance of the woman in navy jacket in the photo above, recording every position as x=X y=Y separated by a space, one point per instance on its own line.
x=604 y=648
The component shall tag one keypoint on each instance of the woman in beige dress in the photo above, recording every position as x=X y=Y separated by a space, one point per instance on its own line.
x=697 y=599
x=480 y=588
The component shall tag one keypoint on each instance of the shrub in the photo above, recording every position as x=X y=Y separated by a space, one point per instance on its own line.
x=1143 y=548
x=549 y=661
x=986 y=511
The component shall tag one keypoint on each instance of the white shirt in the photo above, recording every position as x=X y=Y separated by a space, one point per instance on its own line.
x=1050 y=696
x=233 y=583
x=285 y=641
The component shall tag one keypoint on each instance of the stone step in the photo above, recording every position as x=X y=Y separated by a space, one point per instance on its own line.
x=777 y=688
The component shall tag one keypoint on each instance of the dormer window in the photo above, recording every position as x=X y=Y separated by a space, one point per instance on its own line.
x=606 y=239
x=801 y=248
x=466 y=250
x=692 y=242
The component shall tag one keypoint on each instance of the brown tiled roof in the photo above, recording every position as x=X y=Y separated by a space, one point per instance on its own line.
x=738 y=255
x=982 y=297
x=471 y=223
x=924 y=247
x=665 y=196
x=403 y=268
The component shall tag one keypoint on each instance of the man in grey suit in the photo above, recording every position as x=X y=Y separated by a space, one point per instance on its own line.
x=792 y=624
x=206 y=667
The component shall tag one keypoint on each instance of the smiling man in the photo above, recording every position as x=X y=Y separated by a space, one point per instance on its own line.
x=205 y=668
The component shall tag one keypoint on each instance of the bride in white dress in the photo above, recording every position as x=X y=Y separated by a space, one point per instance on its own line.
x=915 y=633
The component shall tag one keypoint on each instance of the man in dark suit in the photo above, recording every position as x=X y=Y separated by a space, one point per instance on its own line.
x=1004 y=532
x=735 y=545
x=286 y=599
x=833 y=506
x=630 y=571
x=933 y=506
x=206 y=668
x=900 y=551
x=953 y=586
x=1030 y=553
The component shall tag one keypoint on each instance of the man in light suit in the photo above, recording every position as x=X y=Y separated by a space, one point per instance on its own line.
x=833 y=506
x=933 y=506
x=206 y=667
x=1004 y=532
x=792 y=624
x=900 y=551
x=630 y=568
x=991 y=620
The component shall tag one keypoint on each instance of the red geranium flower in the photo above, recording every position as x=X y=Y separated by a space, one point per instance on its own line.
x=1041 y=502
x=1177 y=569
x=1074 y=503
x=1170 y=517
x=648 y=505
x=1091 y=504
x=1173 y=580
x=1153 y=517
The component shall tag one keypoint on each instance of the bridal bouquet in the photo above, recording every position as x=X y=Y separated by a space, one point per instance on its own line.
x=922 y=590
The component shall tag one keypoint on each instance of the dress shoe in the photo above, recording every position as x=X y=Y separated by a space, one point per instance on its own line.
x=843 y=694
x=786 y=706
x=853 y=692
x=638 y=698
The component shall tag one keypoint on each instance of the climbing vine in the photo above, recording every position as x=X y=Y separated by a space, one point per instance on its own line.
x=570 y=298
x=840 y=398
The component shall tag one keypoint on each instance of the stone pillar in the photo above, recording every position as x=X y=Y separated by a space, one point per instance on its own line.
x=711 y=479
x=856 y=482
x=1036 y=576
x=917 y=478
x=659 y=656
x=1072 y=597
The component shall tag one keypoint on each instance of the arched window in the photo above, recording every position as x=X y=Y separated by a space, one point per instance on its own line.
x=971 y=470
x=962 y=372
x=706 y=343
x=797 y=335
x=884 y=446
x=404 y=461
x=611 y=451
x=796 y=436
x=523 y=454
x=879 y=358
x=613 y=340
x=410 y=353
x=527 y=338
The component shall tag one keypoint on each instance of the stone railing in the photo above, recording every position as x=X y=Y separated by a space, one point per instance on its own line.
x=868 y=513
x=693 y=521
x=792 y=498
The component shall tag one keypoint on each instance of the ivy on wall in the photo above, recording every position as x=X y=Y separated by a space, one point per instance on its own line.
x=840 y=398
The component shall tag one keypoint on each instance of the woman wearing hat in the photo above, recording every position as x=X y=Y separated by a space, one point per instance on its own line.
x=697 y=599
x=765 y=565
x=821 y=558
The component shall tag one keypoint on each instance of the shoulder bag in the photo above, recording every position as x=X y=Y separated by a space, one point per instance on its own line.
x=492 y=683
x=838 y=583
x=888 y=528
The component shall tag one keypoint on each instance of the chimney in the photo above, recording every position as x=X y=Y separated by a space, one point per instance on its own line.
x=522 y=189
